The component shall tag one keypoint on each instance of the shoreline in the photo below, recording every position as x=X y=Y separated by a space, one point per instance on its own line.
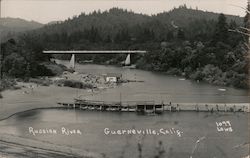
x=16 y=146
x=173 y=74
x=27 y=102
x=17 y=101
x=46 y=92
x=33 y=109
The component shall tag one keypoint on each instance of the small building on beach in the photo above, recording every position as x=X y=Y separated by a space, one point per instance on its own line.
x=113 y=77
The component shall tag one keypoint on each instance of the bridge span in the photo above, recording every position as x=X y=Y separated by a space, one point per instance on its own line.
x=96 y=52
x=73 y=52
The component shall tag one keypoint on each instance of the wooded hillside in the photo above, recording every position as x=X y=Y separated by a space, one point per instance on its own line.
x=183 y=41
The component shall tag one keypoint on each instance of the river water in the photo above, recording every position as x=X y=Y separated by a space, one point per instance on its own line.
x=159 y=87
x=182 y=135
x=189 y=133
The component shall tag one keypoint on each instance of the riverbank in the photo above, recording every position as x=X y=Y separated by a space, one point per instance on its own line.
x=34 y=96
x=42 y=93
x=45 y=92
x=208 y=74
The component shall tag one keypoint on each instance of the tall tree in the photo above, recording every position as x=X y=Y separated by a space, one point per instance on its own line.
x=221 y=30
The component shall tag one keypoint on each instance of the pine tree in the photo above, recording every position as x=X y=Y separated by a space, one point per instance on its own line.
x=221 y=30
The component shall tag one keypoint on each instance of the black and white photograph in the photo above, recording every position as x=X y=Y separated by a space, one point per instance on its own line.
x=124 y=79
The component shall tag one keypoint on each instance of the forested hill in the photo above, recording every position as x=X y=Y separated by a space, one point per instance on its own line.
x=182 y=16
x=183 y=41
x=113 y=19
x=116 y=19
x=10 y=26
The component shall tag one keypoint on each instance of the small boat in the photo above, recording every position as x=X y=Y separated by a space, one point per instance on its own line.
x=83 y=107
x=125 y=109
x=131 y=109
x=111 y=109
x=91 y=108
x=99 y=108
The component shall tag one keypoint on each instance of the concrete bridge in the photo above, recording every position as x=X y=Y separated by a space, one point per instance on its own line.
x=73 y=52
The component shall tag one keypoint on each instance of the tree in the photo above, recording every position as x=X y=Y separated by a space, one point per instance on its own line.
x=181 y=34
x=221 y=30
x=15 y=65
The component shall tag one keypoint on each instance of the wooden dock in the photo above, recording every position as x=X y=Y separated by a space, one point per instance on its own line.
x=158 y=108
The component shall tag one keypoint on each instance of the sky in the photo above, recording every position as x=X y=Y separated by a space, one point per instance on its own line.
x=45 y=11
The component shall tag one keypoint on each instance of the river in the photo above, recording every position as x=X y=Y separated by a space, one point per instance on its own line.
x=182 y=134
x=159 y=87
x=198 y=132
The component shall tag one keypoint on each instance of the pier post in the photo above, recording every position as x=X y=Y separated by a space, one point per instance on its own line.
x=225 y=107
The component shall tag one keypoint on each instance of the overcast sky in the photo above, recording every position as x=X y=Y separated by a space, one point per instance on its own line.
x=45 y=11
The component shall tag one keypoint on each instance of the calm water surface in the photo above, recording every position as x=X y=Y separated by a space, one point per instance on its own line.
x=193 y=126
x=159 y=87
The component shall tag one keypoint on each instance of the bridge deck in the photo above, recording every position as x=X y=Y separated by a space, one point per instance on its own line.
x=96 y=52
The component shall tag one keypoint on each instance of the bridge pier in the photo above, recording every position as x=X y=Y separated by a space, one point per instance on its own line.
x=72 y=62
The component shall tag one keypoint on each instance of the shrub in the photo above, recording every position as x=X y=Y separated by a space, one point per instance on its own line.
x=174 y=71
x=6 y=84
x=74 y=84
x=56 y=69
x=197 y=75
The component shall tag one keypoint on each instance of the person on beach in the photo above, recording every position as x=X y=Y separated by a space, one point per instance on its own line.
x=139 y=145
x=160 y=150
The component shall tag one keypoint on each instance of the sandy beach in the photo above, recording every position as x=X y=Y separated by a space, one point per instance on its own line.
x=14 y=146
x=34 y=96
x=16 y=101
x=24 y=99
